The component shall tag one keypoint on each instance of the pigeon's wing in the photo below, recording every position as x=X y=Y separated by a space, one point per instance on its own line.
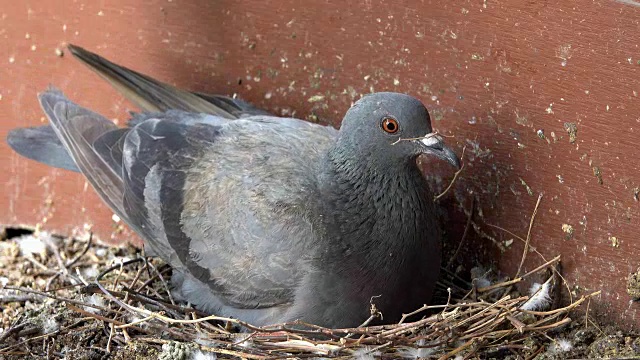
x=178 y=116
x=77 y=130
x=228 y=204
x=154 y=96
x=42 y=144
x=93 y=143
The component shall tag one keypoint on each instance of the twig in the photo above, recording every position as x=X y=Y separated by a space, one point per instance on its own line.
x=9 y=298
x=35 y=262
x=58 y=298
x=457 y=350
x=111 y=332
x=58 y=332
x=429 y=135
x=528 y=239
x=99 y=317
x=211 y=349
x=464 y=234
x=84 y=251
x=11 y=331
x=164 y=283
x=455 y=176
x=415 y=312
x=547 y=264
x=564 y=281
x=499 y=285
x=115 y=283
x=138 y=275
x=586 y=315
x=62 y=268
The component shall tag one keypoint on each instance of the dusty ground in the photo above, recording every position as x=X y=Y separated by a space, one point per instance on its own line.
x=36 y=326
x=49 y=313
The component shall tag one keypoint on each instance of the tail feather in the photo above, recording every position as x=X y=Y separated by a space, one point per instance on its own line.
x=154 y=96
x=42 y=145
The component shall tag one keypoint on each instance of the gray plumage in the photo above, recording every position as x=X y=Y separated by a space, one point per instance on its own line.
x=263 y=218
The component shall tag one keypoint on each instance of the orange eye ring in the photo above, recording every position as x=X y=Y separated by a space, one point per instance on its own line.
x=390 y=125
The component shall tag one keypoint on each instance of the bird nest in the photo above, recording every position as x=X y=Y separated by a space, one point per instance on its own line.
x=72 y=298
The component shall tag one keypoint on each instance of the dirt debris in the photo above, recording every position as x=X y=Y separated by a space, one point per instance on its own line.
x=79 y=300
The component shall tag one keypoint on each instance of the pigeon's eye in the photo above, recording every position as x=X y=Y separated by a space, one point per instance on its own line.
x=390 y=125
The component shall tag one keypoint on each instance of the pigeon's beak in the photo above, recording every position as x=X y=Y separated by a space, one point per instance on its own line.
x=434 y=145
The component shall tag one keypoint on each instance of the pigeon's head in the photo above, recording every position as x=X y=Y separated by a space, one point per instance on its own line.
x=392 y=128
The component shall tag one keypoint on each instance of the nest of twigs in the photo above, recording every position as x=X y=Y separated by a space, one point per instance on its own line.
x=100 y=301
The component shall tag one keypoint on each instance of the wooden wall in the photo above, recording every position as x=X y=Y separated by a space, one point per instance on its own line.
x=543 y=95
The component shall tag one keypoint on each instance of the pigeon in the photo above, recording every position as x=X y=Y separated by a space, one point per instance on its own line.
x=262 y=218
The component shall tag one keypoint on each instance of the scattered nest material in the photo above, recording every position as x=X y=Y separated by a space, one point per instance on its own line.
x=71 y=298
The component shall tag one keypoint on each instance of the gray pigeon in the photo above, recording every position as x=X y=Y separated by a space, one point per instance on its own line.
x=265 y=219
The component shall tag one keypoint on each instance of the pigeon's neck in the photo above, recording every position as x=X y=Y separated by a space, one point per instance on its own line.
x=379 y=222
x=376 y=206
